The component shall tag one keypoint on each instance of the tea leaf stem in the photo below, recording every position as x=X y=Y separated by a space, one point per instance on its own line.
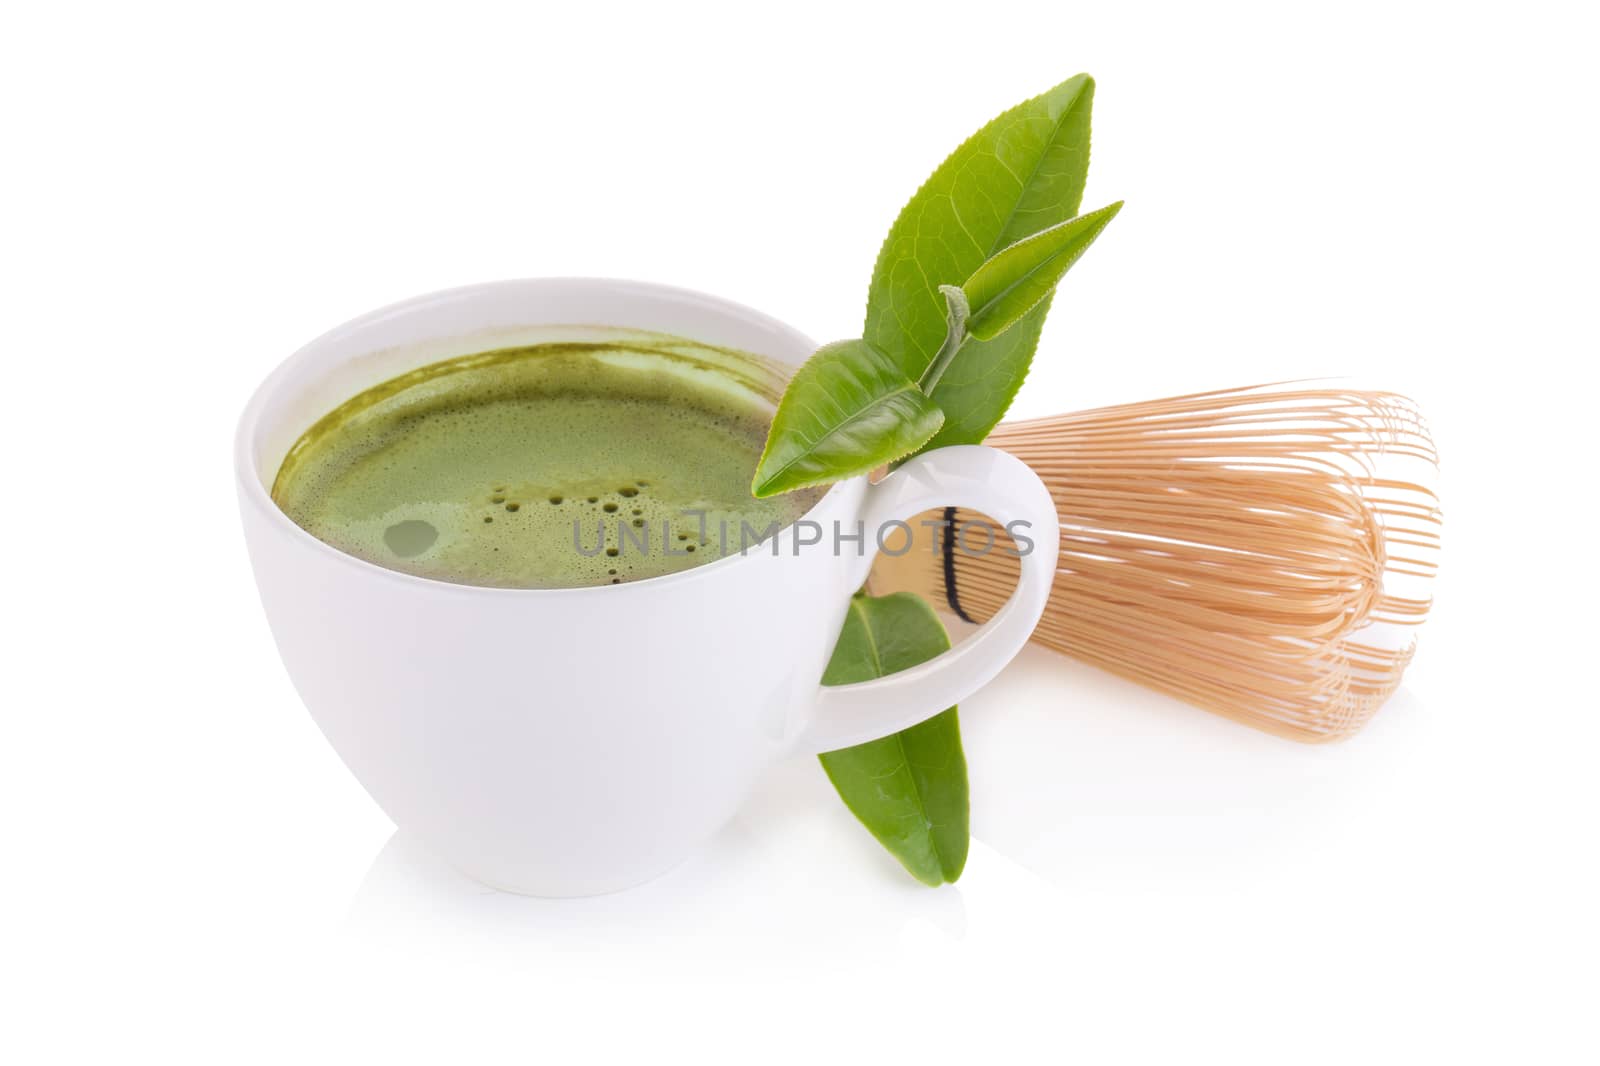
x=957 y=311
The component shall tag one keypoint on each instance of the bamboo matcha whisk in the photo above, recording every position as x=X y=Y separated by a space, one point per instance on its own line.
x=1264 y=553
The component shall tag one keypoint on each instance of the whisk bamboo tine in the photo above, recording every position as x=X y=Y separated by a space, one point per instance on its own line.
x=1264 y=553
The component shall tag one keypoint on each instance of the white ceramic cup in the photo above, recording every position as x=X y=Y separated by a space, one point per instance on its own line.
x=563 y=742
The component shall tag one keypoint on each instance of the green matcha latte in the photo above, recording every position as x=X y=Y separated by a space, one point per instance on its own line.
x=548 y=466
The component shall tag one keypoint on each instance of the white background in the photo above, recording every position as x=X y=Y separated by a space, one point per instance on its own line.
x=1400 y=191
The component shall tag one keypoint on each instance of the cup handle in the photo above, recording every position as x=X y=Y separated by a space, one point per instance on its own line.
x=974 y=478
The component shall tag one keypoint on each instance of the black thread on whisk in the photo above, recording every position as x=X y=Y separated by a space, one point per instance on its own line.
x=948 y=535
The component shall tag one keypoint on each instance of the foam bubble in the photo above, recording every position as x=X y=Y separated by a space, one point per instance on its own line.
x=410 y=537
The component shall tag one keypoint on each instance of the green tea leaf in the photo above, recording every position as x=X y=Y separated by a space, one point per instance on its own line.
x=909 y=790
x=1015 y=279
x=847 y=411
x=1023 y=172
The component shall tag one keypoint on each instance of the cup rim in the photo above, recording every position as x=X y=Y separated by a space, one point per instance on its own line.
x=255 y=494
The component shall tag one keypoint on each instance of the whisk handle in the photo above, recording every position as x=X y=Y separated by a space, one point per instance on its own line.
x=973 y=478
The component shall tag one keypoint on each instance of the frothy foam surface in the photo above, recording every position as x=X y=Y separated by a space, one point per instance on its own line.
x=476 y=470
